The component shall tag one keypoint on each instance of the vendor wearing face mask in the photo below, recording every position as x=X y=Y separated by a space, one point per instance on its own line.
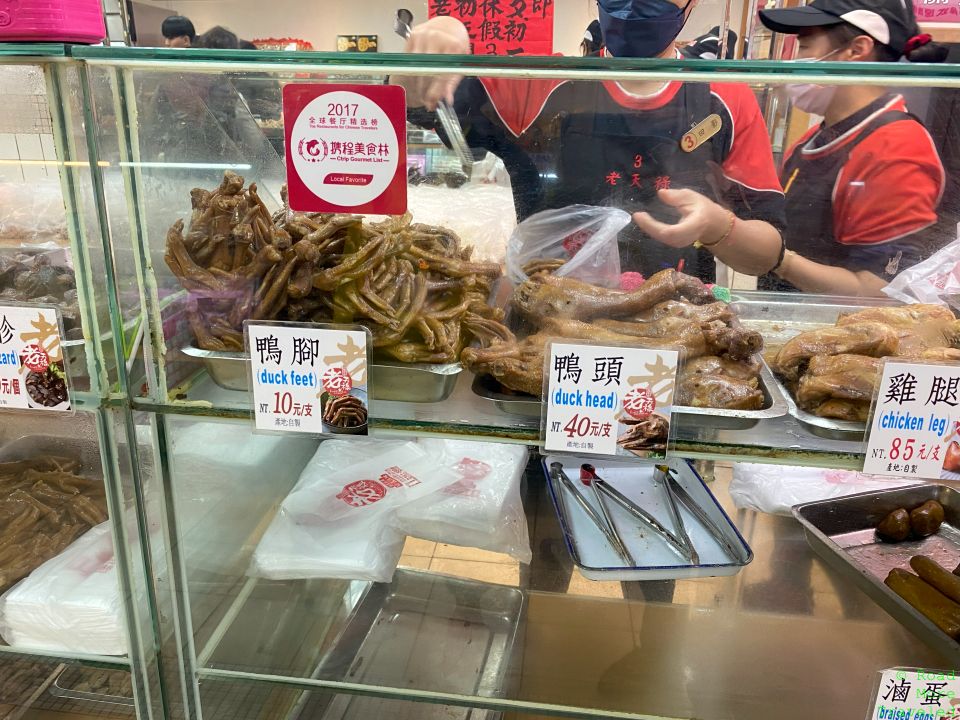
x=862 y=187
x=623 y=144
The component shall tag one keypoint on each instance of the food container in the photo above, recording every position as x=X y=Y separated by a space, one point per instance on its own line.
x=336 y=429
x=427 y=631
x=28 y=447
x=596 y=559
x=778 y=320
x=70 y=684
x=79 y=21
x=405 y=382
x=774 y=404
x=842 y=532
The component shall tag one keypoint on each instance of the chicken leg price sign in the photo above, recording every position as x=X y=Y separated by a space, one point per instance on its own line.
x=308 y=379
x=607 y=400
x=346 y=148
x=915 y=428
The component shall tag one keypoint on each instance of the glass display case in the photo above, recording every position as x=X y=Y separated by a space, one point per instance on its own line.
x=187 y=188
x=78 y=610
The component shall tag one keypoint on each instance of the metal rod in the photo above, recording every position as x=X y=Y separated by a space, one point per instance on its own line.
x=684 y=497
x=587 y=508
x=682 y=534
x=643 y=516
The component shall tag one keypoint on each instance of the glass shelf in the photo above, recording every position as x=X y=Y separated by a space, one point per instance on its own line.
x=36 y=52
x=673 y=649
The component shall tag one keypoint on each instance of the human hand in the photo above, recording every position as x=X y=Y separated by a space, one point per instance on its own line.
x=438 y=36
x=701 y=220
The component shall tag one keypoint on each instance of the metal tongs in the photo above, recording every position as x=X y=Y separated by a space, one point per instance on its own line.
x=446 y=113
x=698 y=512
x=649 y=521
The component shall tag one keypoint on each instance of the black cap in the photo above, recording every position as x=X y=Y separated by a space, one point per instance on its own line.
x=889 y=22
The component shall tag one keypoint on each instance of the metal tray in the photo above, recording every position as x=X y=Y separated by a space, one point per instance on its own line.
x=404 y=382
x=28 y=447
x=774 y=404
x=779 y=320
x=424 y=630
x=842 y=532
x=62 y=687
x=596 y=559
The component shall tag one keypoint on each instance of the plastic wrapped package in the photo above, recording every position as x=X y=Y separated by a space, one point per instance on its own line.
x=483 y=509
x=32 y=214
x=226 y=480
x=337 y=521
x=777 y=488
x=582 y=236
x=936 y=280
x=483 y=215
x=71 y=603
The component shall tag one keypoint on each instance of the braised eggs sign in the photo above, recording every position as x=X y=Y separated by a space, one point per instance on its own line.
x=346 y=148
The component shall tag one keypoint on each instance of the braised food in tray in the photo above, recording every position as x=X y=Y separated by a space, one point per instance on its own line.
x=411 y=284
x=832 y=371
x=670 y=309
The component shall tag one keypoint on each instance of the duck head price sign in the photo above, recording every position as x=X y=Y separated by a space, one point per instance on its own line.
x=308 y=378
x=33 y=372
x=346 y=148
x=608 y=400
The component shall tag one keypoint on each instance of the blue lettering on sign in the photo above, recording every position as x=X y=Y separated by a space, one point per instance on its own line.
x=9 y=358
x=574 y=398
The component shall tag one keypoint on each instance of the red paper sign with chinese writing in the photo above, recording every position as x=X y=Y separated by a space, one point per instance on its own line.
x=346 y=148
x=937 y=11
x=503 y=27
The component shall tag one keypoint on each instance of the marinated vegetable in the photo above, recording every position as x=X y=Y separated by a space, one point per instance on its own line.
x=895 y=526
x=932 y=572
x=929 y=601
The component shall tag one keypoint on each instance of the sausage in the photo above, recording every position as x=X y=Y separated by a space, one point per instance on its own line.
x=895 y=526
x=930 y=602
x=926 y=519
x=932 y=572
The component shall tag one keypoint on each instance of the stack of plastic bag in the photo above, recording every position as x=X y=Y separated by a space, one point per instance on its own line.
x=71 y=603
x=356 y=500
x=483 y=509
x=777 y=488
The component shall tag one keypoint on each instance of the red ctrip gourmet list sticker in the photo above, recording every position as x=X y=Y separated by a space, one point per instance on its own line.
x=346 y=148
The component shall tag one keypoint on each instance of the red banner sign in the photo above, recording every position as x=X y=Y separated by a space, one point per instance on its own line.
x=937 y=11
x=503 y=27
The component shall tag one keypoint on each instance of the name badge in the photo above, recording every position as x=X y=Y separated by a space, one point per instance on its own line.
x=701 y=132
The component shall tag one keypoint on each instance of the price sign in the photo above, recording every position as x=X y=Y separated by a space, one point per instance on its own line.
x=937 y=11
x=33 y=371
x=308 y=378
x=915 y=422
x=912 y=694
x=346 y=148
x=603 y=400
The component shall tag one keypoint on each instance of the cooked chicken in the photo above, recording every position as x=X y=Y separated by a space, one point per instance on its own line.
x=901 y=316
x=865 y=338
x=678 y=308
x=841 y=377
x=854 y=410
x=714 y=365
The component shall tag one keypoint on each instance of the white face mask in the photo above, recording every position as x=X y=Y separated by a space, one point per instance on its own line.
x=809 y=97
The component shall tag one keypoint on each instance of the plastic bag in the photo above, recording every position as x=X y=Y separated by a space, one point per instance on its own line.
x=71 y=603
x=936 y=280
x=483 y=509
x=336 y=522
x=777 y=488
x=583 y=235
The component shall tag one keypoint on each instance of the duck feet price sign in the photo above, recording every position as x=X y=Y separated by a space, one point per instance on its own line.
x=308 y=379
x=33 y=372
x=916 y=420
x=912 y=694
x=608 y=400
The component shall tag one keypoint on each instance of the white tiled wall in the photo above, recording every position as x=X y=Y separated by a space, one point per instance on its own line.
x=26 y=131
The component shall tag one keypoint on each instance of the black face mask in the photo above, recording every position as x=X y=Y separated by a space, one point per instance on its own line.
x=642 y=30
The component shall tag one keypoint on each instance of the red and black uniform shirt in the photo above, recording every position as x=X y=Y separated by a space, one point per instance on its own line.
x=863 y=193
x=592 y=143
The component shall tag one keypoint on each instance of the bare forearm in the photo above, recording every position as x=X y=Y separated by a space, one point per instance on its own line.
x=753 y=247
x=815 y=277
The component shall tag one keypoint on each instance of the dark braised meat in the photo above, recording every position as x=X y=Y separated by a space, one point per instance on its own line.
x=647 y=434
x=344 y=412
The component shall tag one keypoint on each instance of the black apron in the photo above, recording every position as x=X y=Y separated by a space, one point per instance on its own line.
x=809 y=202
x=596 y=143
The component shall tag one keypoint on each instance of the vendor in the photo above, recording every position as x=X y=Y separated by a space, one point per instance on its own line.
x=862 y=187
x=622 y=144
